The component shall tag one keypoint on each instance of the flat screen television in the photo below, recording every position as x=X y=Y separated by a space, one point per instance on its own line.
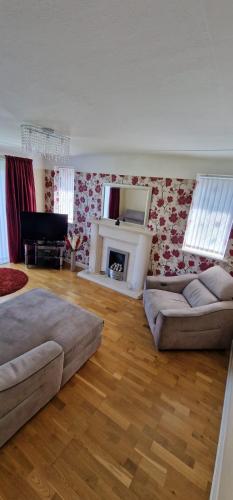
x=40 y=226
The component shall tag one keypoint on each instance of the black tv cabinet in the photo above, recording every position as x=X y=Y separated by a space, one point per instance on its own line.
x=44 y=254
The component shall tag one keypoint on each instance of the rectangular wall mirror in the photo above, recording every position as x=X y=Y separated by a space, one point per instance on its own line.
x=127 y=203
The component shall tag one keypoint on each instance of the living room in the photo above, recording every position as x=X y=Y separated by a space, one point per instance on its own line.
x=116 y=250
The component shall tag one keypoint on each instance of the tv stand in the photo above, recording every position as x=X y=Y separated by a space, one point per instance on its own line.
x=44 y=254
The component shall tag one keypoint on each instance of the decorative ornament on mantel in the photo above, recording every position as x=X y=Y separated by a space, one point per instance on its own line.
x=73 y=243
x=46 y=142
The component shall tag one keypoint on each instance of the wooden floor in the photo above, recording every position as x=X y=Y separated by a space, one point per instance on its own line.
x=131 y=424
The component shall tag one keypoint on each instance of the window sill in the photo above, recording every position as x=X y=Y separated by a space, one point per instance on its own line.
x=207 y=255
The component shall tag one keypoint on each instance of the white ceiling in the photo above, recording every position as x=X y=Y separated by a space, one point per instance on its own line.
x=119 y=75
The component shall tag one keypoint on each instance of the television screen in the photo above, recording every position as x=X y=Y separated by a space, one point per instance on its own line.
x=42 y=226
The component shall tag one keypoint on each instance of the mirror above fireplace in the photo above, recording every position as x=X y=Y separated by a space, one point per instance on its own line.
x=127 y=203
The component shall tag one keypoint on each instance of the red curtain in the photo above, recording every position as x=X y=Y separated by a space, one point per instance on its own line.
x=114 y=203
x=20 y=196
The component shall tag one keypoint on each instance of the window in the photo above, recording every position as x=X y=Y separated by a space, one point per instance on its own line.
x=64 y=201
x=106 y=202
x=4 y=255
x=210 y=217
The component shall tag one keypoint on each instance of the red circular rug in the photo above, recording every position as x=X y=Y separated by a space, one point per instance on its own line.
x=11 y=280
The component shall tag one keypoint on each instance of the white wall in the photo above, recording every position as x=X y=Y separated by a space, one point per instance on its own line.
x=152 y=165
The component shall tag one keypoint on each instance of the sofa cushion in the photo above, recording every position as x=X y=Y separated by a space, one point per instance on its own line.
x=198 y=295
x=218 y=281
x=38 y=316
x=157 y=300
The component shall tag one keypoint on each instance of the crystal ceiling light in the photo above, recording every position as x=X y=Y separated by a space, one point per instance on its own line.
x=45 y=141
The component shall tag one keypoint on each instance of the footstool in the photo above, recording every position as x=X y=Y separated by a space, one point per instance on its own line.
x=44 y=340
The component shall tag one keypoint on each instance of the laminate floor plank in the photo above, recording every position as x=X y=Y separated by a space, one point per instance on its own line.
x=132 y=424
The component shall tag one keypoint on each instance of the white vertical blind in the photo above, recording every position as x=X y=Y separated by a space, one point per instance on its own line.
x=64 y=202
x=4 y=255
x=210 y=217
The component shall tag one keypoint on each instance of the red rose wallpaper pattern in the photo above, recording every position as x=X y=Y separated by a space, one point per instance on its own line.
x=170 y=203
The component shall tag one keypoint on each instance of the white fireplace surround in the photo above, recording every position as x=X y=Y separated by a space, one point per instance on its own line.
x=126 y=238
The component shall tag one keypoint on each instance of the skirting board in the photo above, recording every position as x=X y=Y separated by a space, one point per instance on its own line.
x=222 y=484
x=117 y=286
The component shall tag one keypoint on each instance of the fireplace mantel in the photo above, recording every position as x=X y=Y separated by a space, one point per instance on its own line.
x=124 y=226
x=134 y=240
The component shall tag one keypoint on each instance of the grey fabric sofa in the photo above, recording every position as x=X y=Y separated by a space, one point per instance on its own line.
x=43 y=341
x=191 y=311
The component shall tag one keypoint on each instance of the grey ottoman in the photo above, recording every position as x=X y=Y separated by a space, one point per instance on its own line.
x=44 y=340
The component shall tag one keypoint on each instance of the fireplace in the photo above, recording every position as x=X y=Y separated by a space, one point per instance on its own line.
x=117 y=264
x=135 y=245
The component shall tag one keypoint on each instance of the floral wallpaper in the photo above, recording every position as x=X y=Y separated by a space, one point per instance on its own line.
x=170 y=203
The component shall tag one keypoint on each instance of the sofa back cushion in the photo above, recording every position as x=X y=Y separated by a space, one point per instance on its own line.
x=197 y=294
x=218 y=281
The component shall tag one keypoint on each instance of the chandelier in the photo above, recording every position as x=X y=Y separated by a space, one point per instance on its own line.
x=45 y=141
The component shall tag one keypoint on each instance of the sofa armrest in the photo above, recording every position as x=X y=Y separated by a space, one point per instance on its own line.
x=170 y=284
x=23 y=367
x=27 y=383
x=196 y=312
x=204 y=327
